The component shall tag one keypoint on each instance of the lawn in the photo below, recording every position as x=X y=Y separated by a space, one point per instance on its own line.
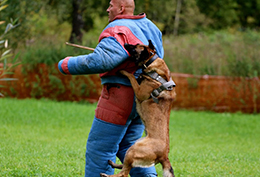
x=48 y=138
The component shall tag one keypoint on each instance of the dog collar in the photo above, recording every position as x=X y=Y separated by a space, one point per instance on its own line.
x=150 y=61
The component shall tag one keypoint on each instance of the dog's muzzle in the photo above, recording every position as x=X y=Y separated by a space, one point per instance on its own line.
x=165 y=85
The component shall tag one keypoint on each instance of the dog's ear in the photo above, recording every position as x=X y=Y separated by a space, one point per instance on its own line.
x=151 y=46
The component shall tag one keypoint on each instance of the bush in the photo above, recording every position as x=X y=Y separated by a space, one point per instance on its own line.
x=48 y=53
x=51 y=49
x=219 y=53
x=5 y=52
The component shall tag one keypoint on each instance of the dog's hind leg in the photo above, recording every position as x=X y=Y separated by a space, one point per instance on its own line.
x=167 y=168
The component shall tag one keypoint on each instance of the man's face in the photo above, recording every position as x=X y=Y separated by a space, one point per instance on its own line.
x=113 y=10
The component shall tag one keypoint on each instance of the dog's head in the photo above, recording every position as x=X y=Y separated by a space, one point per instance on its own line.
x=140 y=53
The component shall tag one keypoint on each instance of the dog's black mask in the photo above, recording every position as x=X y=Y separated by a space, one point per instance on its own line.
x=139 y=53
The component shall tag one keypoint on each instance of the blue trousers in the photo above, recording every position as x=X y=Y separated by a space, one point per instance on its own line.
x=107 y=140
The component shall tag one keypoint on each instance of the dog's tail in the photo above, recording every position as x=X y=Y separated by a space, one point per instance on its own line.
x=167 y=169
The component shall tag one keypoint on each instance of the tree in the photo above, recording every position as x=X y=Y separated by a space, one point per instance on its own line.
x=248 y=13
x=191 y=18
x=177 y=17
x=77 y=22
x=79 y=13
x=222 y=13
x=187 y=17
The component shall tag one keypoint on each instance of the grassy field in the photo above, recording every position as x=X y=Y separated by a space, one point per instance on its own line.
x=46 y=138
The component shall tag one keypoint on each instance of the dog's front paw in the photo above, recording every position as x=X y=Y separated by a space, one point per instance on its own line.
x=110 y=162
x=123 y=72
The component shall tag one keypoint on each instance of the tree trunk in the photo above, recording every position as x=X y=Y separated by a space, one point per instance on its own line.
x=177 y=17
x=77 y=22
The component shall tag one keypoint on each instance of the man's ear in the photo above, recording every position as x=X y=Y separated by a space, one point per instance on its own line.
x=122 y=9
x=151 y=46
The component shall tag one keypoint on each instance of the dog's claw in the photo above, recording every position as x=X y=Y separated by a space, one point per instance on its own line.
x=103 y=175
x=114 y=165
x=110 y=162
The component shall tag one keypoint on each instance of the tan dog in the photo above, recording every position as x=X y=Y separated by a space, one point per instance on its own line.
x=154 y=98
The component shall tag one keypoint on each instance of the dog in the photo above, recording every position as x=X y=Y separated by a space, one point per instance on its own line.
x=155 y=92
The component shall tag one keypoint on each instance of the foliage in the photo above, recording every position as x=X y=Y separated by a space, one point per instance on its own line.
x=5 y=52
x=229 y=53
x=47 y=26
x=81 y=14
x=230 y=13
x=47 y=138
x=196 y=15
x=192 y=19
x=48 y=53
x=222 y=13
x=21 y=10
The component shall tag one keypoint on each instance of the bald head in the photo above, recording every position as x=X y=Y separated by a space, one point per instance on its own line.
x=120 y=7
x=129 y=6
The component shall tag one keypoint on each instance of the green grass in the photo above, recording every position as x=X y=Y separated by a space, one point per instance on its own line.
x=211 y=144
x=43 y=138
x=47 y=138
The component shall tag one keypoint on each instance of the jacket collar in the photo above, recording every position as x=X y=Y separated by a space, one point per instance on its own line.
x=133 y=17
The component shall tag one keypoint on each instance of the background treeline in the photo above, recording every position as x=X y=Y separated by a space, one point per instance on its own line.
x=194 y=15
x=211 y=36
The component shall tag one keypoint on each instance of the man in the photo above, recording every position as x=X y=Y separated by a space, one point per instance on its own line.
x=116 y=125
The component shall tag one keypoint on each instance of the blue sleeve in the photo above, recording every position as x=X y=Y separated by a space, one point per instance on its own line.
x=161 y=54
x=107 y=55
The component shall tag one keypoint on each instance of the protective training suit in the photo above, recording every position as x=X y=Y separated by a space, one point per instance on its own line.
x=116 y=125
